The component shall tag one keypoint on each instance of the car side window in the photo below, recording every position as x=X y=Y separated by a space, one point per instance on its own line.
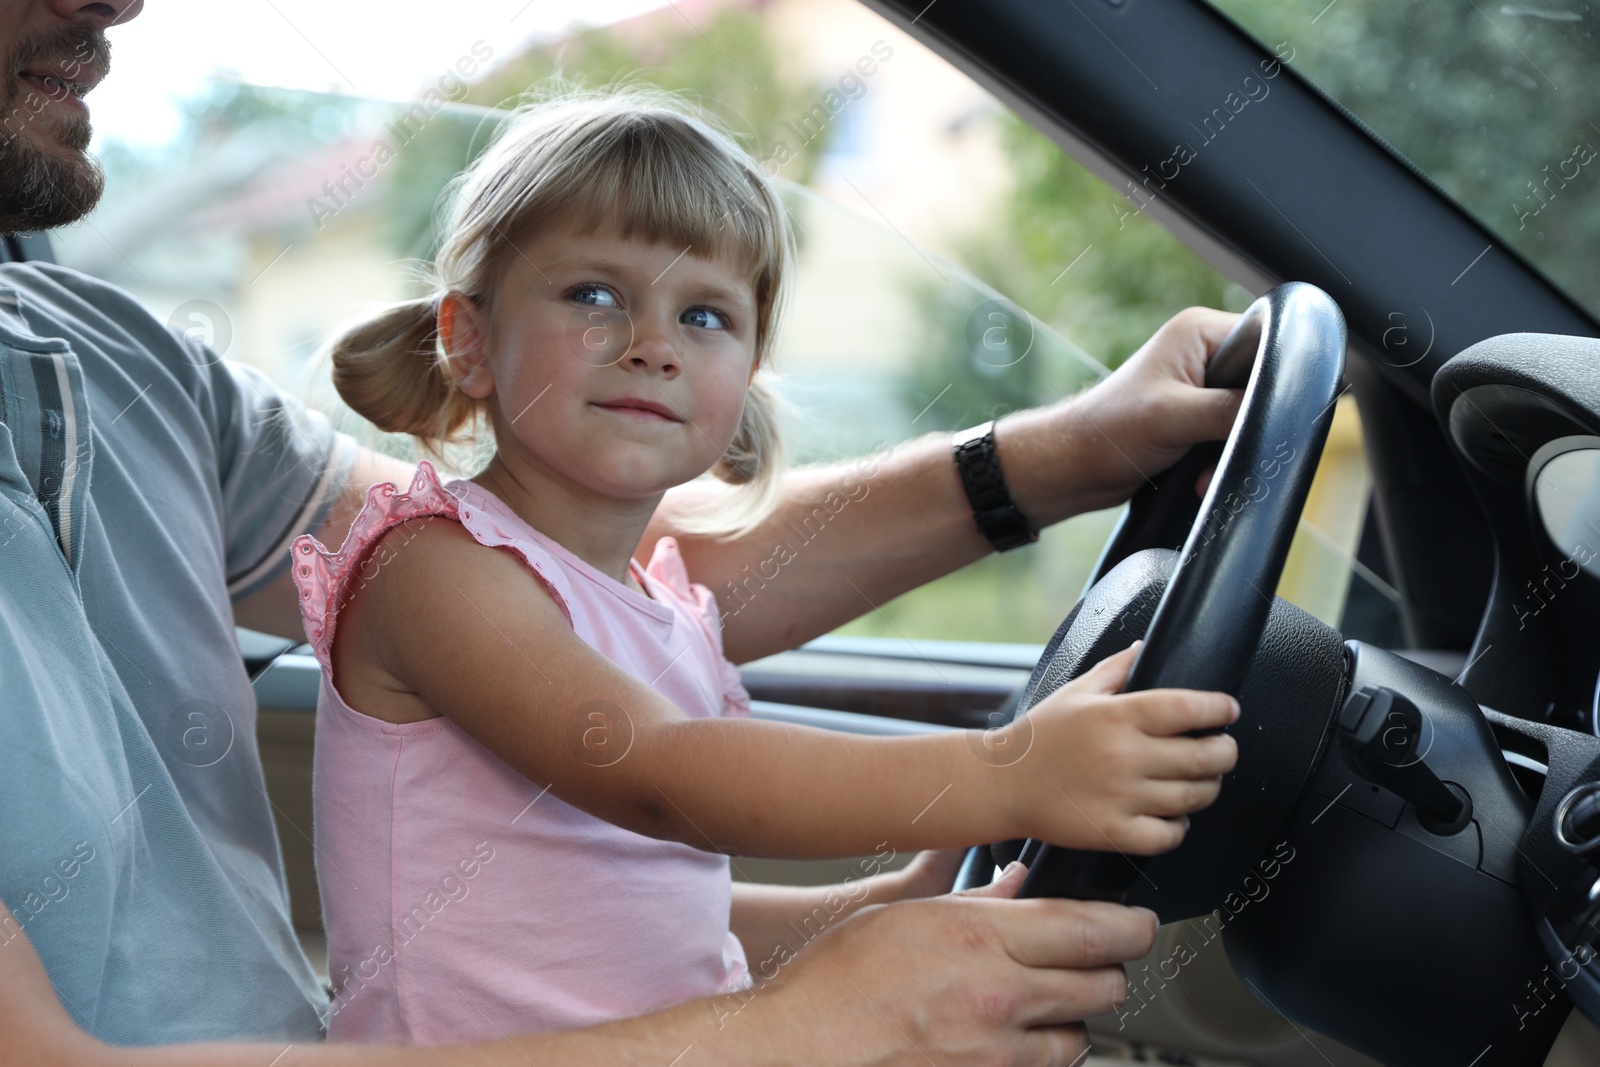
x=1494 y=102
x=953 y=264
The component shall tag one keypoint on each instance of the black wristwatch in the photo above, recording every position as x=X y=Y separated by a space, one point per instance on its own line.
x=993 y=509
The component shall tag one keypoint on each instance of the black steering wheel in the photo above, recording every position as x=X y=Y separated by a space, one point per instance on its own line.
x=1203 y=610
x=1392 y=914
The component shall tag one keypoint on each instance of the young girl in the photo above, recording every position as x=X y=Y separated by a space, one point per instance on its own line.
x=532 y=758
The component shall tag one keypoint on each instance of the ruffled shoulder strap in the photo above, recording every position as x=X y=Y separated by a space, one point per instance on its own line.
x=667 y=567
x=323 y=576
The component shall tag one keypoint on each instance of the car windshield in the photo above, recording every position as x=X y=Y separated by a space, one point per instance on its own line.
x=1494 y=102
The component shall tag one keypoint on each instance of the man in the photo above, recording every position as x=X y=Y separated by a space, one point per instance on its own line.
x=148 y=492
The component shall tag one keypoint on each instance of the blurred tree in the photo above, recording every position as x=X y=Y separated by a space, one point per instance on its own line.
x=1132 y=275
x=1493 y=103
x=292 y=119
x=1072 y=253
x=729 y=66
x=1497 y=103
x=225 y=107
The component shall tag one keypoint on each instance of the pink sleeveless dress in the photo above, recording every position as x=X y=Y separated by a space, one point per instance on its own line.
x=462 y=901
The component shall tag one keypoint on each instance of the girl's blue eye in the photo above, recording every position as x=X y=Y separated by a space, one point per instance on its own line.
x=594 y=295
x=705 y=318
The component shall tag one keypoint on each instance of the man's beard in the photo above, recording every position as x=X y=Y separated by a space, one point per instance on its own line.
x=41 y=188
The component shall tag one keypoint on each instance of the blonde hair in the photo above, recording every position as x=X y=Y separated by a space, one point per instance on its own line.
x=635 y=158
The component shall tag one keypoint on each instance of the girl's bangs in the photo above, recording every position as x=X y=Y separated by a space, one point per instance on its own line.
x=663 y=184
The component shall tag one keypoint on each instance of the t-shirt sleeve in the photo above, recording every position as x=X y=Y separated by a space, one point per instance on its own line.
x=280 y=466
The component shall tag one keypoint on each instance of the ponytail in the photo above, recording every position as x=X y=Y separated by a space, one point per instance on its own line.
x=391 y=371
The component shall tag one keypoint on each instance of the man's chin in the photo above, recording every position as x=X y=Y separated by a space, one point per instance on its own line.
x=40 y=188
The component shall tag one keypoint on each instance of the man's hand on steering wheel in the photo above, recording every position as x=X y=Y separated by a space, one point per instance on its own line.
x=964 y=979
x=1128 y=427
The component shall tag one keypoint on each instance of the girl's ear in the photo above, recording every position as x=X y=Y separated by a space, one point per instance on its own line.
x=463 y=334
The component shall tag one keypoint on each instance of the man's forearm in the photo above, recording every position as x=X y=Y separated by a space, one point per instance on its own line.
x=849 y=537
x=39 y=1032
x=887 y=527
x=843 y=540
x=647 y=1041
x=960 y=981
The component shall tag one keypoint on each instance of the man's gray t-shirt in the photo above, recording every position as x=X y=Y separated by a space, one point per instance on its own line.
x=144 y=485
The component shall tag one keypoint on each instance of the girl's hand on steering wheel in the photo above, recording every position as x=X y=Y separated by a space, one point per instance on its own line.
x=1108 y=770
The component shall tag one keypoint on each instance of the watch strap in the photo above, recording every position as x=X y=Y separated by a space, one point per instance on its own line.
x=997 y=515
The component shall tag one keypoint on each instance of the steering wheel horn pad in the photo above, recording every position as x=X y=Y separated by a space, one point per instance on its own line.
x=1290 y=697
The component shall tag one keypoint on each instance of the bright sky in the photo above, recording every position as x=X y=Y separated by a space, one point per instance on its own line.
x=168 y=52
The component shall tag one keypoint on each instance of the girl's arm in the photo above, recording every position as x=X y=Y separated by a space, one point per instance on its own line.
x=774 y=922
x=472 y=633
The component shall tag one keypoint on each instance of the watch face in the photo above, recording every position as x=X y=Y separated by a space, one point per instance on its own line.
x=973 y=436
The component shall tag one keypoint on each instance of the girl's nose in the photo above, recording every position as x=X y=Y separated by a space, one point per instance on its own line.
x=653 y=349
